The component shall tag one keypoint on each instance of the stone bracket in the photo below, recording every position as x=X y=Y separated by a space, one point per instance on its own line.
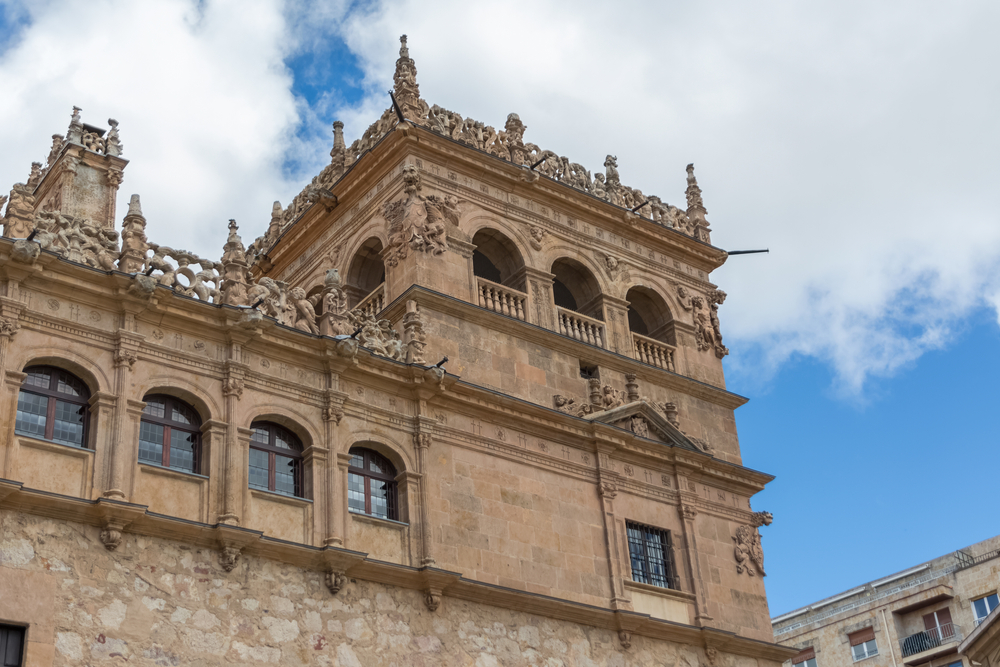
x=336 y=563
x=115 y=517
x=7 y=487
x=232 y=541
x=434 y=583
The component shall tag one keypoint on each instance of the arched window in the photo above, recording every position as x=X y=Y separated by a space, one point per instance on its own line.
x=275 y=459
x=170 y=434
x=52 y=405
x=371 y=485
x=649 y=315
x=575 y=288
x=497 y=259
x=365 y=273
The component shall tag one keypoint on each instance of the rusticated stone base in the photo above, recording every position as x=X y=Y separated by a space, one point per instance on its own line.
x=157 y=602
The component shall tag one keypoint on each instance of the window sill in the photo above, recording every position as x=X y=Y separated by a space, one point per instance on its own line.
x=672 y=593
x=170 y=472
x=294 y=501
x=867 y=657
x=377 y=520
x=57 y=447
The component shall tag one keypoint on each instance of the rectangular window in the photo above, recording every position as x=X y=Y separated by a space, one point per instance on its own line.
x=863 y=644
x=805 y=658
x=355 y=492
x=151 y=443
x=984 y=606
x=32 y=410
x=11 y=645
x=652 y=555
x=258 y=469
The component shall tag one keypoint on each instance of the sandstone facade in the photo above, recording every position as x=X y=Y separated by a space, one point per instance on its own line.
x=531 y=369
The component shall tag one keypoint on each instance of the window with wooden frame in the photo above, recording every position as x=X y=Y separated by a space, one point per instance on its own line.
x=805 y=658
x=371 y=485
x=984 y=606
x=170 y=434
x=53 y=405
x=652 y=555
x=863 y=644
x=275 y=459
x=11 y=645
x=938 y=625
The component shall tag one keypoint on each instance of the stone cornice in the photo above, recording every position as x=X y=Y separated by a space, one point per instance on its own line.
x=357 y=565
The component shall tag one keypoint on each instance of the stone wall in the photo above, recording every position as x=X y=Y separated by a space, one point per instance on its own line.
x=155 y=602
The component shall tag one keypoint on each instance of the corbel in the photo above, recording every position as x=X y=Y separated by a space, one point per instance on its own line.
x=341 y=353
x=434 y=583
x=627 y=624
x=232 y=541
x=8 y=487
x=336 y=563
x=115 y=517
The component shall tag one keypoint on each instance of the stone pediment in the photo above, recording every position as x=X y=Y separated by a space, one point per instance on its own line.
x=645 y=421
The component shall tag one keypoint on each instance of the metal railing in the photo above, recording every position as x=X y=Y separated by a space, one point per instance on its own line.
x=373 y=304
x=653 y=352
x=500 y=299
x=929 y=639
x=580 y=327
x=965 y=560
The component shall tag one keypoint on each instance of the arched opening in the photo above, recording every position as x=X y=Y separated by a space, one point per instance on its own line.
x=497 y=259
x=53 y=405
x=170 y=433
x=575 y=288
x=366 y=273
x=371 y=485
x=275 y=460
x=649 y=315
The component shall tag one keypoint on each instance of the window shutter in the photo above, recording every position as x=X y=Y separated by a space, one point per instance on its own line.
x=805 y=654
x=862 y=636
x=944 y=616
x=930 y=622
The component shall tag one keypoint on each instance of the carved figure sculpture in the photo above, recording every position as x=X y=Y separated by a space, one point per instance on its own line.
x=18 y=221
x=418 y=222
x=748 y=551
x=639 y=426
x=684 y=298
x=611 y=398
x=537 y=234
x=305 y=315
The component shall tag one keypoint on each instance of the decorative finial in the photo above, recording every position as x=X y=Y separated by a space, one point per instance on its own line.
x=232 y=224
x=406 y=90
x=134 y=207
x=112 y=144
x=693 y=192
x=403 y=51
x=75 y=133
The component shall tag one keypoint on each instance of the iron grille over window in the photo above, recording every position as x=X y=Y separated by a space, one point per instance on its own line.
x=170 y=434
x=52 y=405
x=275 y=459
x=652 y=556
x=11 y=645
x=371 y=485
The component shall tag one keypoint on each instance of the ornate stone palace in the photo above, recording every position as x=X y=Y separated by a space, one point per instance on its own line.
x=462 y=403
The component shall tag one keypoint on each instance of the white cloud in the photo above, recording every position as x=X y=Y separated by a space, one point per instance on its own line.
x=857 y=141
x=201 y=92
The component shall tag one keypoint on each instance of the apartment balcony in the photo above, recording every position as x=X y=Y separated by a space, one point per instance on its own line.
x=923 y=646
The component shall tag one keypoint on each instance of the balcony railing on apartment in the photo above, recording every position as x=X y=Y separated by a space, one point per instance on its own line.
x=373 y=304
x=929 y=639
x=580 y=327
x=653 y=352
x=500 y=299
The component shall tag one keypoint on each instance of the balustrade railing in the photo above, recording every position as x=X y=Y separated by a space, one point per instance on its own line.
x=500 y=299
x=653 y=352
x=925 y=641
x=373 y=304
x=581 y=327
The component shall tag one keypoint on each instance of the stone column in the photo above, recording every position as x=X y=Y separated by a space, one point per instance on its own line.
x=341 y=514
x=693 y=562
x=102 y=417
x=314 y=486
x=607 y=489
x=541 y=306
x=619 y=336
x=8 y=443
x=125 y=357
x=333 y=503
x=232 y=495
x=422 y=443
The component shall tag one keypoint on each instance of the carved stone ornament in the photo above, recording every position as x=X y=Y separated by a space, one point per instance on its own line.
x=9 y=326
x=607 y=490
x=418 y=223
x=333 y=414
x=229 y=557
x=432 y=600
x=688 y=513
x=616 y=268
x=111 y=535
x=233 y=387
x=422 y=440
x=639 y=426
x=378 y=335
x=335 y=581
x=625 y=637
x=537 y=234
x=125 y=358
x=142 y=286
x=25 y=252
x=748 y=551
x=711 y=654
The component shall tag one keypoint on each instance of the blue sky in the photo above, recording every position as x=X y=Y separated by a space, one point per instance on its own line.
x=858 y=142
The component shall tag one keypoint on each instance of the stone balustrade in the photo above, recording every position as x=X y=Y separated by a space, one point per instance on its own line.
x=500 y=299
x=372 y=305
x=580 y=327
x=653 y=352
